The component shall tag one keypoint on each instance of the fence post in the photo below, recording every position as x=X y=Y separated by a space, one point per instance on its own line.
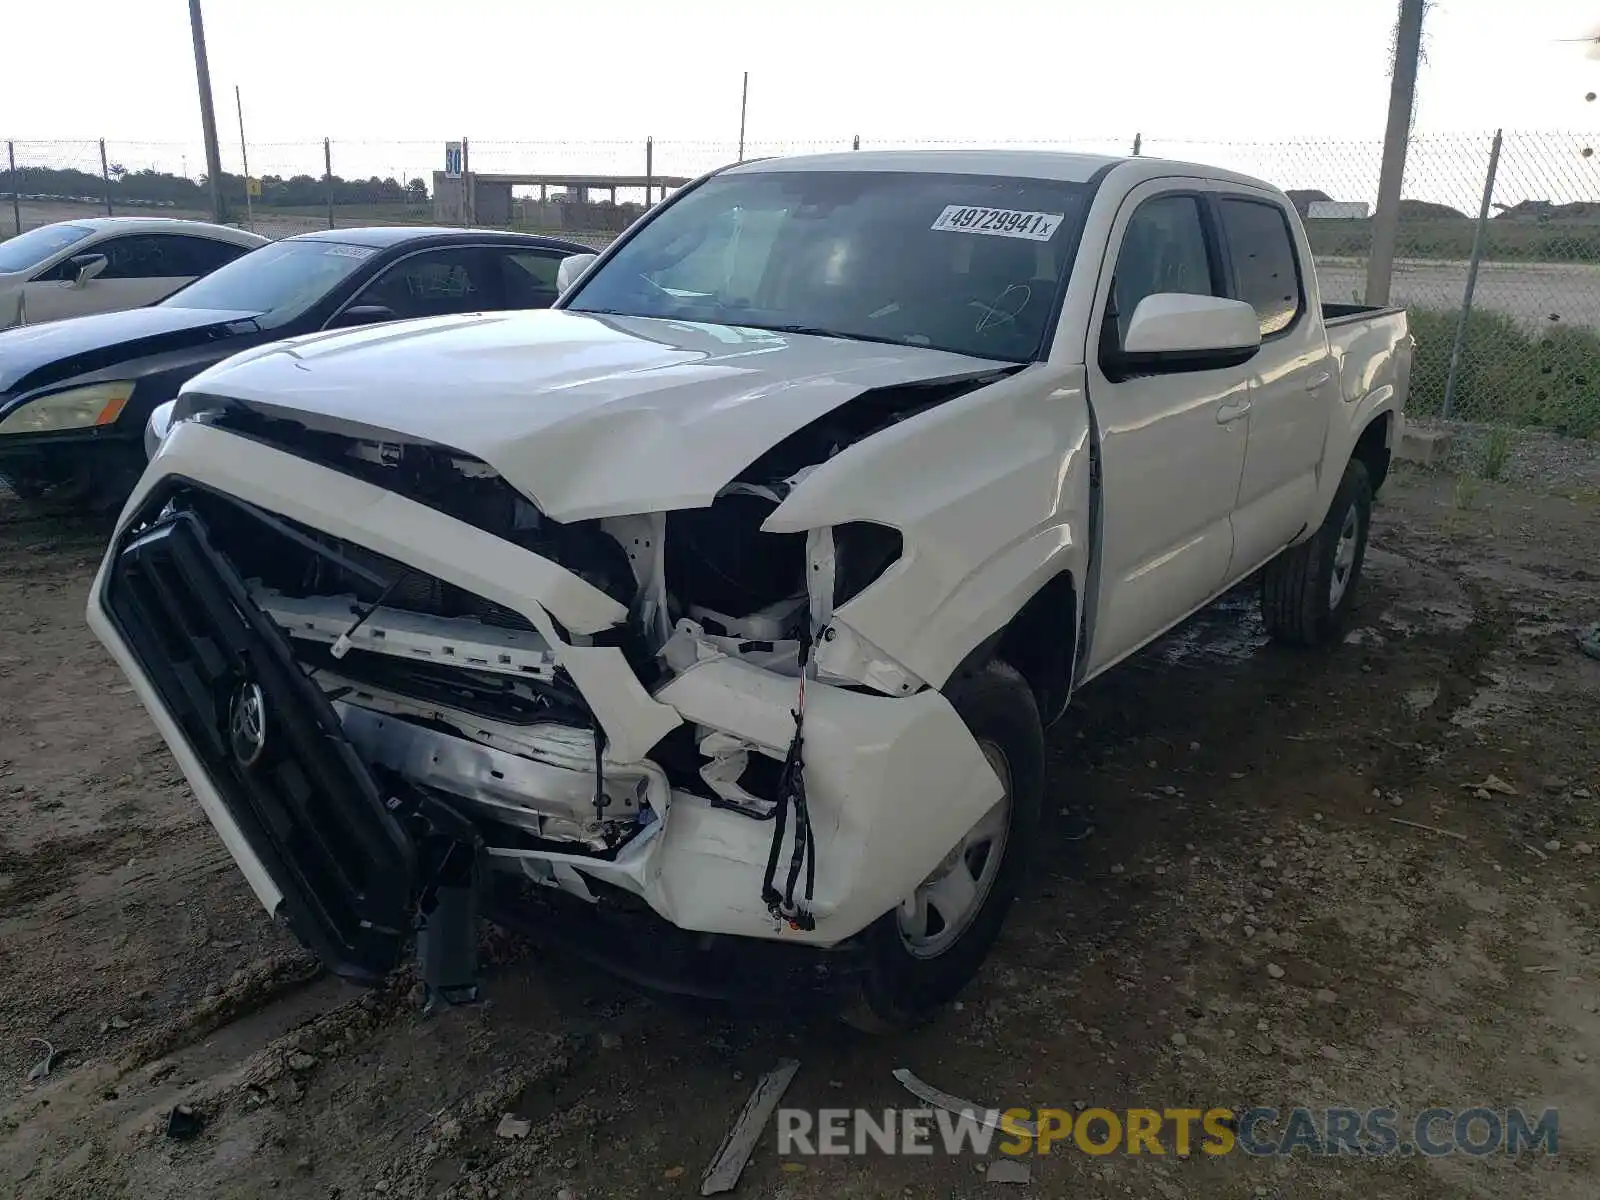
x=105 y=176
x=327 y=178
x=469 y=213
x=1472 y=275
x=649 y=169
x=1137 y=142
x=16 y=185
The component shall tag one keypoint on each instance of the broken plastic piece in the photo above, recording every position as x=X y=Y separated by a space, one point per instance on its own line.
x=512 y=1126
x=46 y=1064
x=729 y=758
x=1589 y=641
x=184 y=1122
x=1007 y=1170
x=736 y=1148
x=990 y=1118
x=1492 y=783
x=843 y=655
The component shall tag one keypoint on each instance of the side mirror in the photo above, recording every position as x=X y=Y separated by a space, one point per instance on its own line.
x=571 y=267
x=85 y=267
x=365 y=314
x=1171 y=331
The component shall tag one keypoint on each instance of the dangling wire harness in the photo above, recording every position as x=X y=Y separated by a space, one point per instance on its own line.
x=792 y=797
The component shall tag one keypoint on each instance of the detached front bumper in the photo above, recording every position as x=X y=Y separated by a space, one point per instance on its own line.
x=892 y=782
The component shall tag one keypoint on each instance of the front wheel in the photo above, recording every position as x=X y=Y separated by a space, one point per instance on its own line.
x=78 y=483
x=1308 y=590
x=924 y=951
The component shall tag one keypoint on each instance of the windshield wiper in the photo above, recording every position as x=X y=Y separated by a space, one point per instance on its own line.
x=818 y=331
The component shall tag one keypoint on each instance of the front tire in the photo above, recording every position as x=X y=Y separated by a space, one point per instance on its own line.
x=922 y=953
x=1308 y=590
x=94 y=486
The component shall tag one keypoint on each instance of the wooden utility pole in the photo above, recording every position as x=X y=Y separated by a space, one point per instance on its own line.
x=1402 y=96
x=208 y=118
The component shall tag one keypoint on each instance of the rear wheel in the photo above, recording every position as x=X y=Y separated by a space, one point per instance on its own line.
x=923 y=952
x=1308 y=590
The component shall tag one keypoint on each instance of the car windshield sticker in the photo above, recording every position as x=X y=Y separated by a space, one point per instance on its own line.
x=350 y=251
x=1000 y=222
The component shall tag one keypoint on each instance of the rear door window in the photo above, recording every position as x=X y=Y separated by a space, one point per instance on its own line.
x=1266 y=274
x=200 y=255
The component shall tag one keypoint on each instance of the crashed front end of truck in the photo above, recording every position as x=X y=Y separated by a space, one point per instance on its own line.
x=407 y=697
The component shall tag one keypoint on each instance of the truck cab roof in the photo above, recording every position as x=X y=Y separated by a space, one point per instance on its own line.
x=1014 y=163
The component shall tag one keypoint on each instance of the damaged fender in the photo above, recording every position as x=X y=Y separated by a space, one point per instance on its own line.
x=1008 y=510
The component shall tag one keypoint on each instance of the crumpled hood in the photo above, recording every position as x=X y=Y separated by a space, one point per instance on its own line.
x=587 y=415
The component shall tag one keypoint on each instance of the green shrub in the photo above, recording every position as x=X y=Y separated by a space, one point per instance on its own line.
x=1509 y=374
x=1493 y=452
x=1450 y=239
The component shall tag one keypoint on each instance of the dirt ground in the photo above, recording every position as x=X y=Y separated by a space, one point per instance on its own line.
x=1244 y=803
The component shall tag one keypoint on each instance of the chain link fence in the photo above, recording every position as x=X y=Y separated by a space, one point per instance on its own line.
x=1513 y=297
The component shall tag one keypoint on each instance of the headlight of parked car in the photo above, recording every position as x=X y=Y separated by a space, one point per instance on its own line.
x=75 y=408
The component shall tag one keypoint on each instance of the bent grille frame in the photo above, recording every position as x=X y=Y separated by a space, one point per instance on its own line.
x=310 y=809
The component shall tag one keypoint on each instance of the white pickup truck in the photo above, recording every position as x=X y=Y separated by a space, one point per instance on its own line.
x=734 y=594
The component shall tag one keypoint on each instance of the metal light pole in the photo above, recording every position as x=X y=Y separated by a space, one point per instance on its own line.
x=208 y=119
x=16 y=185
x=244 y=159
x=1402 y=95
x=744 y=98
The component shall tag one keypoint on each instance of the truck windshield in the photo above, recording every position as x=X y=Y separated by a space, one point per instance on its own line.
x=277 y=281
x=968 y=263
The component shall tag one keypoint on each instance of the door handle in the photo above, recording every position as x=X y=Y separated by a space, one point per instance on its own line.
x=1317 y=381
x=1229 y=413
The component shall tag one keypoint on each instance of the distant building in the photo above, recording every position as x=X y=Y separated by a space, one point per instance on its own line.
x=1346 y=210
x=1302 y=198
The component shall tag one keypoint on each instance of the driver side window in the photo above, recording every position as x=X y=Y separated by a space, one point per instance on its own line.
x=1167 y=247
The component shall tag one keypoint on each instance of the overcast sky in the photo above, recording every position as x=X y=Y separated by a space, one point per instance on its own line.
x=387 y=71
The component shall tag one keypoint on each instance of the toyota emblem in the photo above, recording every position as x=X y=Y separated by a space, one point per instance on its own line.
x=247 y=724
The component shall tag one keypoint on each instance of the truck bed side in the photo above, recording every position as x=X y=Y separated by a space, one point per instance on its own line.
x=1372 y=349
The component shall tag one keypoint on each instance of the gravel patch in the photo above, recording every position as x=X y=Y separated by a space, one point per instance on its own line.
x=1538 y=459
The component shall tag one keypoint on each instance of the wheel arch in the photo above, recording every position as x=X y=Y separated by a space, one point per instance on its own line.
x=1374 y=448
x=1040 y=642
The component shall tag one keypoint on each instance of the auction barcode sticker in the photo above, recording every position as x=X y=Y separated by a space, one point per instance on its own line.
x=1000 y=222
